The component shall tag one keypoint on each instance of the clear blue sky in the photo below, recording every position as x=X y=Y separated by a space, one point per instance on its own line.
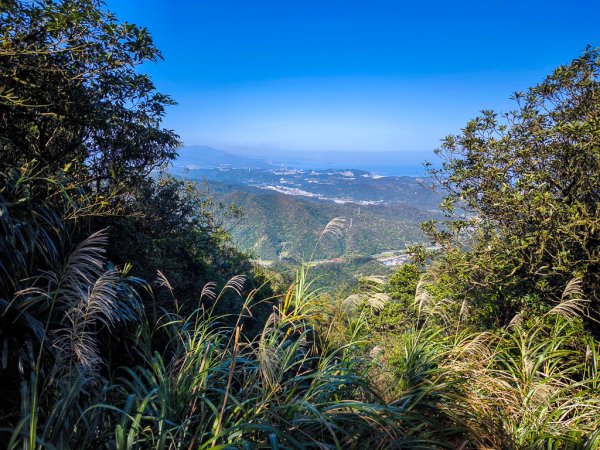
x=350 y=75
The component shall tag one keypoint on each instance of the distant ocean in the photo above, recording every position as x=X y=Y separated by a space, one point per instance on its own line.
x=400 y=163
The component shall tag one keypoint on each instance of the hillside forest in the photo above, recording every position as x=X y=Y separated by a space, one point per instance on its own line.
x=130 y=320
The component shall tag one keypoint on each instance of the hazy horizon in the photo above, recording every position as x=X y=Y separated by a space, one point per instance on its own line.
x=349 y=76
x=380 y=163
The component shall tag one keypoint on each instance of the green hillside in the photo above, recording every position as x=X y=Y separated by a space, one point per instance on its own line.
x=338 y=277
x=277 y=226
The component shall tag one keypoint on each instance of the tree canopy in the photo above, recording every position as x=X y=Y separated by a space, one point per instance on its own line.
x=523 y=193
x=69 y=91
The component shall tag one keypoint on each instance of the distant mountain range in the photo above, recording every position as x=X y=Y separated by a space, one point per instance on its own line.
x=200 y=156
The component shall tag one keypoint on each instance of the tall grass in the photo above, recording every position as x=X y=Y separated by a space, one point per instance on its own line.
x=532 y=385
x=217 y=390
x=209 y=387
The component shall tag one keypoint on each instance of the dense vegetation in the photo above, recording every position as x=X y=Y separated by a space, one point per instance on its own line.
x=128 y=320
x=523 y=197
x=337 y=277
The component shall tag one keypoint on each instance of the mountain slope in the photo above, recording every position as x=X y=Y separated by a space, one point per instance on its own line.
x=277 y=226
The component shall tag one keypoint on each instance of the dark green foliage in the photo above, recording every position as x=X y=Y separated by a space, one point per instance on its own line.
x=69 y=91
x=173 y=226
x=392 y=317
x=31 y=229
x=403 y=282
x=523 y=191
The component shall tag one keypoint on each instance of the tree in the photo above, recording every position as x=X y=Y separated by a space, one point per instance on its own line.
x=69 y=91
x=174 y=226
x=402 y=284
x=522 y=191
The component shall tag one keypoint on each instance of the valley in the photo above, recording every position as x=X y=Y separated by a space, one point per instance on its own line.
x=285 y=209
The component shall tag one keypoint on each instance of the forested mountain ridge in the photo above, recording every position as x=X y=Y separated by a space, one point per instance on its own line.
x=275 y=225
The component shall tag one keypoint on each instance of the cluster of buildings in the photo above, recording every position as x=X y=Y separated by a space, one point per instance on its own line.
x=395 y=260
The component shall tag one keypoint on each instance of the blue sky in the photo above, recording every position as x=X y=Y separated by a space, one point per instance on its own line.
x=320 y=76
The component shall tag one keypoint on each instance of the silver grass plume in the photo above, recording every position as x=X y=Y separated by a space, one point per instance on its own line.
x=89 y=296
x=422 y=296
x=208 y=291
x=335 y=227
x=77 y=341
x=573 y=303
x=163 y=281
x=268 y=352
x=235 y=283
x=275 y=350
